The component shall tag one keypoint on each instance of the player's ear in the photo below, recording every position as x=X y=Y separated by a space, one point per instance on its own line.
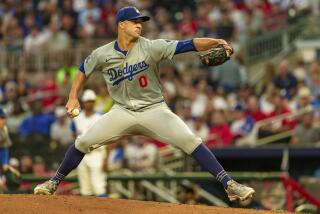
x=121 y=25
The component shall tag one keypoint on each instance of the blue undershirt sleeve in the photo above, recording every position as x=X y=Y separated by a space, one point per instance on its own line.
x=81 y=68
x=185 y=46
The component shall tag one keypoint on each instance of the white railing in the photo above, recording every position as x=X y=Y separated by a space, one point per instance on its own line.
x=252 y=138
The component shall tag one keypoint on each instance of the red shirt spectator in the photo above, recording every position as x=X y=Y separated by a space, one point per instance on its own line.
x=265 y=7
x=290 y=123
x=188 y=26
x=219 y=134
x=253 y=109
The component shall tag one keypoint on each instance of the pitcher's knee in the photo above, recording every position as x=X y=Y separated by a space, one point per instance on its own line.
x=82 y=145
x=191 y=143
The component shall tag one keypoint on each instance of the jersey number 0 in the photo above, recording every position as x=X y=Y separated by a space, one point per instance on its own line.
x=143 y=81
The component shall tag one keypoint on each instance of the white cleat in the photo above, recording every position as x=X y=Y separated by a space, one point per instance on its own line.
x=238 y=191
x=46 y=188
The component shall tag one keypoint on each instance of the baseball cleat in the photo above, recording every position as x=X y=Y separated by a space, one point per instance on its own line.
x=46 y=188
x=238 y=191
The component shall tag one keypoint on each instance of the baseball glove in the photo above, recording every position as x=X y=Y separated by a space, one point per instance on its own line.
x=215 y=56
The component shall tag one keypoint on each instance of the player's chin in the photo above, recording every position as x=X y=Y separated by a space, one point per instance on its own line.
x=137 y=34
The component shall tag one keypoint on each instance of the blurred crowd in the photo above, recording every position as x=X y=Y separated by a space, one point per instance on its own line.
x=218 y=104
x=32 y=26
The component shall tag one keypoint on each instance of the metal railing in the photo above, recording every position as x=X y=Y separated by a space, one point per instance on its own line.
x=252 y=138
x=273 y=43
x=44 y=60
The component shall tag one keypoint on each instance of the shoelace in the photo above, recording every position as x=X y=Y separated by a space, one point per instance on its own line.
x=52 y=184
x=239 y=186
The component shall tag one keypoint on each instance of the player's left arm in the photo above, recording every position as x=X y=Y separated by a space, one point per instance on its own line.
x=200 y=44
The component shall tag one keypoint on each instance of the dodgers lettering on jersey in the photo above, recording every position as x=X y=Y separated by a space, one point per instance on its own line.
x=133 y=80
x=128 y=72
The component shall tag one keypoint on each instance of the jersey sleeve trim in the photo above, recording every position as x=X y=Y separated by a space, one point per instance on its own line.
x=81 y=68
x=185 y=46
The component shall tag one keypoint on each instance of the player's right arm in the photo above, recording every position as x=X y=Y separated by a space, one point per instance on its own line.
x=73 y=101
x=90 y=65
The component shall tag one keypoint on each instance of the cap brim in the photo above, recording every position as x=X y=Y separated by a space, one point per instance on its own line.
x=143 y=18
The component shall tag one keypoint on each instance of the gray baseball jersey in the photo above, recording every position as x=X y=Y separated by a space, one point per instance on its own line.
x=133 y=80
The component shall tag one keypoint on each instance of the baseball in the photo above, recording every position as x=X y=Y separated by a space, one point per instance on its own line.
x=75 y=112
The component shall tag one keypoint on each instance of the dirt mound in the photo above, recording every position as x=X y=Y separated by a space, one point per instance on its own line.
x=26 y=204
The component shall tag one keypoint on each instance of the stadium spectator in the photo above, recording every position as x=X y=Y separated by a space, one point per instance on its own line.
x=305 y=133
x=269 y=73
x=39 y=167
x=241 y=124
x=115 y=156
x=5 y=143
x=26 y=163
x=253 y=109
x=33 y=43
x=198 y=98
x=266 y=99
x=216 y=99
x=17 y=115
x=30 y=20
x=56 y=41
x=13 y=37
x=225 y=28
x=69 y=19
x=23 y=85
x=92 y=178
x=60 y=133
x=46 y=90
x=280 y=125
x=187 y=26
x=299 y=70
x=219 y=133
x=35 y=129
x=228 y=74
x=108 y=14
x=285 y=79
x=141 y=155
x=10 y=96
x=91 y=14
x=68 y=25
x=14 y=122
x=313 y=83
x=305 y=98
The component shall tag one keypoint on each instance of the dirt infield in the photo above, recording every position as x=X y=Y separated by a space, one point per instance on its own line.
x=31 y=204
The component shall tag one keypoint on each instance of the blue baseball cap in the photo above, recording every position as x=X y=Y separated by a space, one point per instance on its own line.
x=238 y=107
x=130 y=13
x=2 y=113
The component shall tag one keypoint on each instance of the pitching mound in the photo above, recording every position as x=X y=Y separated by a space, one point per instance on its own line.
x=26 y=204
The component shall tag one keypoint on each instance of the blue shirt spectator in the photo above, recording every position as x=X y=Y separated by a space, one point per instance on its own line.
x=34 y=124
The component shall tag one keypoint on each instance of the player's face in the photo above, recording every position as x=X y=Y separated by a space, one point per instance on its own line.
x=133 y=27
x=88 y=105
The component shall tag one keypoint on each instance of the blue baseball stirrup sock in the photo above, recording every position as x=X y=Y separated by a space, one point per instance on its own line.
x=71 y=160
x=209 y=162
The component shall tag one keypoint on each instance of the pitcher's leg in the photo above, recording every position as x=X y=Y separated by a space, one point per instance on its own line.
x=170 y=129
x=108 y=128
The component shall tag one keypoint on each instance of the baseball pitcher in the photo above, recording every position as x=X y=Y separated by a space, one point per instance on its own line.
x=130 y=67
